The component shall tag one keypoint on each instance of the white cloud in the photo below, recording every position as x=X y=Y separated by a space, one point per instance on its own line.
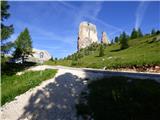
x=87 y=10
x=90 y=11
x=140 y=12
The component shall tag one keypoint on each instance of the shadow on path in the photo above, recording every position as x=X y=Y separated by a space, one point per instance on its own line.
x=56 y=101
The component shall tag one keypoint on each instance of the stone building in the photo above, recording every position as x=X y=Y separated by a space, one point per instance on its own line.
x=87 y=35
x=39 y=55
x=104 y=38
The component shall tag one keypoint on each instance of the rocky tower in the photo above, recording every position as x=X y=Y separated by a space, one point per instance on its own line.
x=87 y=35
x=104 y=38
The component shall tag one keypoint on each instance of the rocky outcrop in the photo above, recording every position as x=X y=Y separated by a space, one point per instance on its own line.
x=87 y=35
x=104 y=38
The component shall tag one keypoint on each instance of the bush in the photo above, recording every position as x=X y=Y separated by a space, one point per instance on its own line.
x=83 y=52
x=101 y=50
x=74 y=63
x=51 y=59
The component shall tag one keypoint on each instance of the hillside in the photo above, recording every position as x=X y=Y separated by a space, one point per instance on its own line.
x=144 y=51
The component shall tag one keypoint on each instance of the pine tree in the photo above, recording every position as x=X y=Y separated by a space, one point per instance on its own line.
x=158 y=32
x=23 y=45
x=124 y=41
x=153 y=32
x=6 y=31
x=112 y=41
x=101 y=50
x=134 y=33
x=51 y=59
x=116 y=39
x=139 y=33
x=55 y=60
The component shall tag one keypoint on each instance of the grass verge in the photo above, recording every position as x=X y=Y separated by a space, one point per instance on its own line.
x=120 y=98
x=12 y=86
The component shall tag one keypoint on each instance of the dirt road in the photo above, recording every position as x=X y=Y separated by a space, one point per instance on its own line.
x=55 y=99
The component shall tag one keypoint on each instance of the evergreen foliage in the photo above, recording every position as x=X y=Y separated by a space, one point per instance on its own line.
x=55 y=60
x=153 y=32
x=6 y=31
x=116 y=39
x=83 y=52
x=136 y=33
x=140 y=34
x=23 y=45
x=52 y=58
x=101 y=50
x=124 y=41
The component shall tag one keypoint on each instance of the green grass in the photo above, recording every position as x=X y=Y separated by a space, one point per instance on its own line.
x=141 y=51
x=14 y=85
x=121 y=98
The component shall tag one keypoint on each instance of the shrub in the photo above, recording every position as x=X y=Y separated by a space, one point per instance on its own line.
x=73 y=63
x=101 y=50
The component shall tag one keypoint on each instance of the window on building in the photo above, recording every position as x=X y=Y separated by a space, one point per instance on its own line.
x=41 y=54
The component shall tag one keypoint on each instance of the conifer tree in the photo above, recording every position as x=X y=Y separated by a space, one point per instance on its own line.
x=134 y=33
x=101 y=50
x=153 y=32
x=6 y=30
x=23 y=45
x=140 y=34
x=116 y=39
x=124 y=41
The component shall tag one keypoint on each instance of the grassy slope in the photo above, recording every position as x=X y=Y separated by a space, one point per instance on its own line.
x=14 y=85
x=142 y=51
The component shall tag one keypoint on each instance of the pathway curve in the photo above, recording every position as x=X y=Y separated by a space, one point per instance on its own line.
x=54 y=99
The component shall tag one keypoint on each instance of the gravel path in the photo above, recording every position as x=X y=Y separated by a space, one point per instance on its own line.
x=54 y=99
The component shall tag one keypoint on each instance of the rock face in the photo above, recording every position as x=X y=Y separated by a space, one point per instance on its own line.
x=87 y=35
x=104 y=38
x=39 y=55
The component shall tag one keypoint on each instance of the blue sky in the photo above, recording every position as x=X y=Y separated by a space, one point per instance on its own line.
x=54 y=26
